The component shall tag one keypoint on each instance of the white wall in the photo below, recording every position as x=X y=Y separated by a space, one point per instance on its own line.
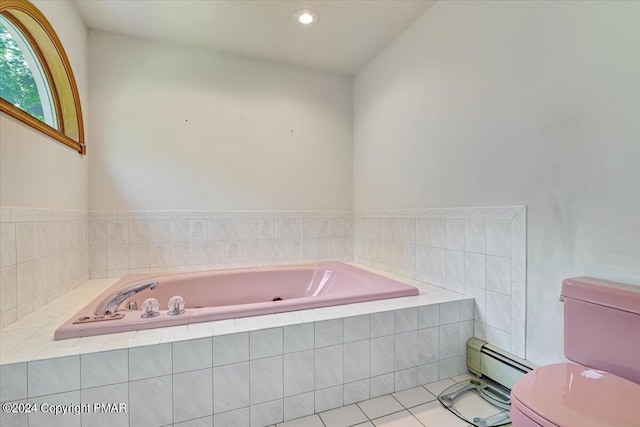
x=493 y=103
x=44 y=250
x=183 y=128
x=35 y=170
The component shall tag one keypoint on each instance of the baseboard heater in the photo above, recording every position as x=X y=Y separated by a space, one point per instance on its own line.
x=486 y=360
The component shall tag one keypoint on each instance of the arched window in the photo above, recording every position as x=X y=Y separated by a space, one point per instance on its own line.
x=36 y=81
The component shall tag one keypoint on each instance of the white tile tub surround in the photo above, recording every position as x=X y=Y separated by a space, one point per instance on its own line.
x=30 y=338
x=43 y=254
x=257 y=377
x=480 y=252
x=159 y=241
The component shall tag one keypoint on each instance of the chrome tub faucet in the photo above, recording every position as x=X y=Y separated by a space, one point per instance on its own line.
x=110 y=304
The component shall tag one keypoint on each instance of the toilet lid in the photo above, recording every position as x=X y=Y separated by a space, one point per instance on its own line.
x=567 y=394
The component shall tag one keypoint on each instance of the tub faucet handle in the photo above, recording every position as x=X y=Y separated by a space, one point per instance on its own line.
x=150 y=308
x=175 y=305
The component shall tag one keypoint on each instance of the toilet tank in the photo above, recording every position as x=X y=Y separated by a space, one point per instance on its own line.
x=602 y=325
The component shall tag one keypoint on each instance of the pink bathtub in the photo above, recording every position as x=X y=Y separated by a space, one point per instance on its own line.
x=224 y=294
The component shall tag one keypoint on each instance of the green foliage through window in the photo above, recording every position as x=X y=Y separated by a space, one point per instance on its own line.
x=17 y=84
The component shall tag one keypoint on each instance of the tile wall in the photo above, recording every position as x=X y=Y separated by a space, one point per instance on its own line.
x=43 y=254
x=480 y=252
x=252 y=378
x=153 y=241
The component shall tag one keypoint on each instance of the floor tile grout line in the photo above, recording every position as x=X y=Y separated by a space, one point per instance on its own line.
x=405 y=409
x=394 y=398
x=321 y=420
x=386 y=415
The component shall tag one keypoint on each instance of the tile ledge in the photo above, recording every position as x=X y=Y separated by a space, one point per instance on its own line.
x=429 y=295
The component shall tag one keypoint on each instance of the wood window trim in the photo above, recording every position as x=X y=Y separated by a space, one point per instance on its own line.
x=57 y=68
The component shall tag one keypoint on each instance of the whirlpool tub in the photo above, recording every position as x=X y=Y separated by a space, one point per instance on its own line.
x=231 y=293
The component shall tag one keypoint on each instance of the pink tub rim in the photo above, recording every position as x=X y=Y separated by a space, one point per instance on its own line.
x=384 y=288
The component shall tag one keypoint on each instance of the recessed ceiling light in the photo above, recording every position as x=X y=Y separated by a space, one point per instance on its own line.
x=306 y=16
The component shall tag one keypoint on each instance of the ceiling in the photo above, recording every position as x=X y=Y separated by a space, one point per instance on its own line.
x=348 y=34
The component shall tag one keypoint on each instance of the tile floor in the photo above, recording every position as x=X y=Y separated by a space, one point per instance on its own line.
x=416 y=407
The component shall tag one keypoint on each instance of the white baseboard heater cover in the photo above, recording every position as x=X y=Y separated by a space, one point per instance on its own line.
x=486 y=360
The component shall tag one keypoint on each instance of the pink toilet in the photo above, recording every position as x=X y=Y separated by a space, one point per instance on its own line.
x=602 y=335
